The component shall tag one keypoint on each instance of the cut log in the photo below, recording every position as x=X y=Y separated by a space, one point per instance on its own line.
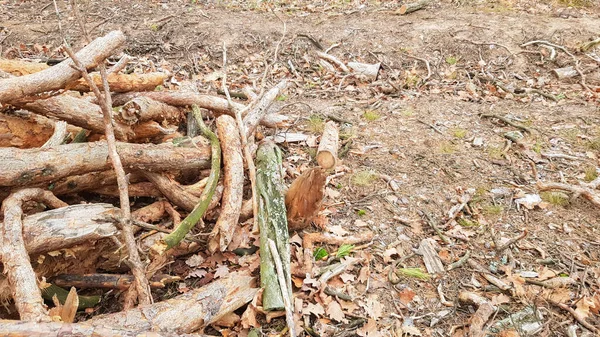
x=272 y=221
x=185 y=313
x=413 y=7
x=259 y=112
x=63 y=73
x=142 y=109
x=187 y=98
x=328 y=147
x=233 y=182
x=567 y=72
x=59 y=329
x=31 y=166
x=123 y=82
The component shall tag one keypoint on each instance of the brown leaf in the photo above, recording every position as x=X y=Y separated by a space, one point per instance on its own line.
x=334 y=311
x=316 y=309
x=406 y=295
x=500 y=299
x=347 y=277
x=222 y=270
x=373 y=307
x=249 y=318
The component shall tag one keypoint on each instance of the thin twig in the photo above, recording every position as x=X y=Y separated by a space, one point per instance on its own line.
x=422 y=60
x=577 y=317
x=438 y=231
x=511 y=241
x=285 y=293
x=460 y=261
x=508 y=121
x=431 y=126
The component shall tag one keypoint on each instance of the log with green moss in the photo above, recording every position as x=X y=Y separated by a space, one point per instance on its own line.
x=272 y=221
x=195 y=216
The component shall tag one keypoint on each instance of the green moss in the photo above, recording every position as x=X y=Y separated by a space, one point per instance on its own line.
x=492 y=209
x=447 y=148
x=451 y=60
x=468 y=223
x=371 y=115
x=495 y=152
x=364 y=178
x=459 y=133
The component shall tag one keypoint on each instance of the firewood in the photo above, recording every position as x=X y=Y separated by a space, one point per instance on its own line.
x=303 y=198
x=272 y=222
x=187 y=98
x=259 y=112
x=60 y=75
x=26 y=130
x=186 y=313
x=233 y=182
x=328 y=147
x=108 y=281
x=142 y=109
x=413 y=7
x=31 y=166
x=20 y=67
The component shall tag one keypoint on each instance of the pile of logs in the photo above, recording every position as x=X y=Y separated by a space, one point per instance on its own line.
x=56 y=147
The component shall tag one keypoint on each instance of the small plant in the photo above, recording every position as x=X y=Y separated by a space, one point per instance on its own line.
x=159 y=88
x=412 y=272
x=459 y=133
x=590 y=173
x=495 y=152
x=344 y=250
x=537 y=147
x=467 y=223
x=447 y=148
x=594 y=144
x=371 y=115
x=339 y=186
x=154 y=27
x=361 y=212
x=408 y=112
x=451 y=60
x=492 y=209
x=364 y=178
x=316 y=124
x=281 y=98
x=312 y=153
x=555 y=198
x=320 y=253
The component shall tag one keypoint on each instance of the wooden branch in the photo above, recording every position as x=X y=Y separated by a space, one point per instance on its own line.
x=187 y=98
x=108 y=281
x=79 y=112
x=32 y=166
x=585 y=192
x=59 y=329
x=57 y=138
x=413 y=7
x=233 y=167
x=285 y=292
x=272 y=221
x=333 y=59
x=485 y=309
x=142 y=109
x=143 y=189
x=15 y=259
x=432 y=260
x=175 y=192
x=123 y=82
x=190 y=221
x=186 y=313
x=259 y=111
x=61 y=74
x=20 y=67
x=328 y=147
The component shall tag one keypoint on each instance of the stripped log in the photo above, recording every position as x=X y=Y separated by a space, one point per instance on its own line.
x=413 y=7
x=15 y=259
x=259 y=112
x=109 y=281
x=31 y=166
x=142 y=109
x=187 y=98
x=123 y=82
x=20 y=67
x=233 y=182
x=60 y=75
x=59 y=329
x=328 y=147
x=186 y=313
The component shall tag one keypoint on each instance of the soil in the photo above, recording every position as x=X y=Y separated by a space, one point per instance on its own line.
x=427 y=134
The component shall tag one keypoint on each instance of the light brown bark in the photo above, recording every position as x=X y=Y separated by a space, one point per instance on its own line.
x=31 y=166
x=233 y=183
x=142 y=109
x=20 y=67
x=24 y=132
x=15 y=259
x=60 y=75
x=259 y=112
x=328 y=147
x=188 y=312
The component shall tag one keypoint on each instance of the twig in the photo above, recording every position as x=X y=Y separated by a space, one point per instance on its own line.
x=431 y=126
x=589 y=45
x=120 y=65
x=511 y=241
x=438 y=231
x=487 y=44
x=422 y=60
x=333 y=59
x=507 y=121
x=287 y=301
x=577 y=317
x=163 y=230
x=586 y=192
x=460 y=262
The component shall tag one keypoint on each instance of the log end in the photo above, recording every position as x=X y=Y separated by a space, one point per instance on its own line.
x=326 y=160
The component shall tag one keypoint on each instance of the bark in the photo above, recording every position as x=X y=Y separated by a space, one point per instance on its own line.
x=15 y=259
x=108 y=281
x=176 y=193
x=185 y=313
x=142 y=109
x=328 y=147
x=24 y=132
x=233 y=182
x=186 y=98
x=59 y=135
x=58 y=329
x=20 y=67
x=143 y=189
x=79 y=112
x=32 y=166
x=123 y=82
x=413 y=7
x=303 y=198
x=254 y=116
x=60 y=75
x=272 y=222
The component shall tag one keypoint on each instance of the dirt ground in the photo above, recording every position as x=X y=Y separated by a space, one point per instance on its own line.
x=427 y=134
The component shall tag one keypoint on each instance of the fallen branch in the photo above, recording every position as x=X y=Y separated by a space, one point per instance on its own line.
x=333 y=59
x=577 y=317
x=285 y=292
x=507 y=121
x=426 y=64
x=61 y=74
x=585 y=192
x=489 y=277
x=413 y=7
x=190 y=221
x=108 y=281
x=142 y=109
x=15 y=259
x=31 y=166
x=60 y=132
x=233 y=182
x=123 y=82
x=485 y=309
x=260 y=110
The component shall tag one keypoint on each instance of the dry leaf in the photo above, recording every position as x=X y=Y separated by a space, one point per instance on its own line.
x=500 y=299
x=337 y=230
x=363 y=274
x=388 y=253
x=349 y=306
x=222 y=270
x=195 y=260
x=316 y=309
x=508 y=333
x=347 y=277
x=249 y=318
x=559 y=295
x=583 y=306
x=369 y=329
x=334 y=311
x=406 y=295
x=373 y=307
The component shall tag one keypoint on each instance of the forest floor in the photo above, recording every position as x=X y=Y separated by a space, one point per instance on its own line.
x=416 y=141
